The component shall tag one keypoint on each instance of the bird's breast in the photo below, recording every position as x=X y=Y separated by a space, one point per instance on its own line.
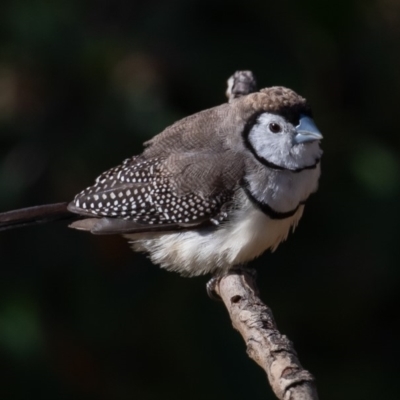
x=247 y=234
x=283 y=191
x=251 y=232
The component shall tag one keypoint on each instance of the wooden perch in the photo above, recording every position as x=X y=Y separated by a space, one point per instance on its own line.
x=271 y=350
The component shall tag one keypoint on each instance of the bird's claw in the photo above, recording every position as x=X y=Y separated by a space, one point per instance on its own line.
x=211 y=288
x=214 y=281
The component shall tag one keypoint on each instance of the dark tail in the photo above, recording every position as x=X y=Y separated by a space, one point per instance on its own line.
x=35 y=215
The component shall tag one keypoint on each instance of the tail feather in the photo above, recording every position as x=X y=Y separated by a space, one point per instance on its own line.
x=35 y=215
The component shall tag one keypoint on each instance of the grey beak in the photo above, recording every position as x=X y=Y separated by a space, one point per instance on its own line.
x=307 y=131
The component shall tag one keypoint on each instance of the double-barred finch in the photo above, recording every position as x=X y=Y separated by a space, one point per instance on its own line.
x=215 y=189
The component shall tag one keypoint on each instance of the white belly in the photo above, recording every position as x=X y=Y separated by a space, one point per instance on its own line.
x=246 y=236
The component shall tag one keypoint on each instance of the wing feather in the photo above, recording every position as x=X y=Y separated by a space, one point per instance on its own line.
x=186 y=177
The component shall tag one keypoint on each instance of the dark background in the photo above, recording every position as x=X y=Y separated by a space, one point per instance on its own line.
x=83 y=84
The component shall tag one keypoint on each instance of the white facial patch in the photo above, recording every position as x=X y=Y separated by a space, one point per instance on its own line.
x=279 y=148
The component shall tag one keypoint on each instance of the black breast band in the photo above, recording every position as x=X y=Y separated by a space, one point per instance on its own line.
x=268 y=210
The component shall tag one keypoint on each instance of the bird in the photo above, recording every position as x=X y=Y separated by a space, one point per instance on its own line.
x=214 y=190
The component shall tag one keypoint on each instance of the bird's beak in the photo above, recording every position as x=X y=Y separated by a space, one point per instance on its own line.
x=307 y=131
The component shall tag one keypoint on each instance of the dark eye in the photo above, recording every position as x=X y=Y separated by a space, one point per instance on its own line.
x=274 y=127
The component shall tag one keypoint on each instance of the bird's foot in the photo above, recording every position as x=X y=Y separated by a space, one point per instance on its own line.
x=211 y=285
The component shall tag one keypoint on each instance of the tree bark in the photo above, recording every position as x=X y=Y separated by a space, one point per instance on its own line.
x=271 y=350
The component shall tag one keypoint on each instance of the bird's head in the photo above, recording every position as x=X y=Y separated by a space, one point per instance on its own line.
x=281 y=130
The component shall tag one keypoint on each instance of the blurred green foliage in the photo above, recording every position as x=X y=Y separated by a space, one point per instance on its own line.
x=83 y=84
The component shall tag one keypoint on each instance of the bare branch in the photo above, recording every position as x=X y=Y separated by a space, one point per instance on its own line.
x=240 y=84
x=271 y=350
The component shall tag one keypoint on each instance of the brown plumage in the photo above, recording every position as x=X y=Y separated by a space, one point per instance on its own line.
x=213 y=190
x=193 y=163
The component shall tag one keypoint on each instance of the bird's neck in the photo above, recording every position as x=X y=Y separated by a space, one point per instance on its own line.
x=282 y=190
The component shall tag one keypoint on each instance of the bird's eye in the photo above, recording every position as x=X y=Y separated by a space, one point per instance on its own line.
x=274 y=127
